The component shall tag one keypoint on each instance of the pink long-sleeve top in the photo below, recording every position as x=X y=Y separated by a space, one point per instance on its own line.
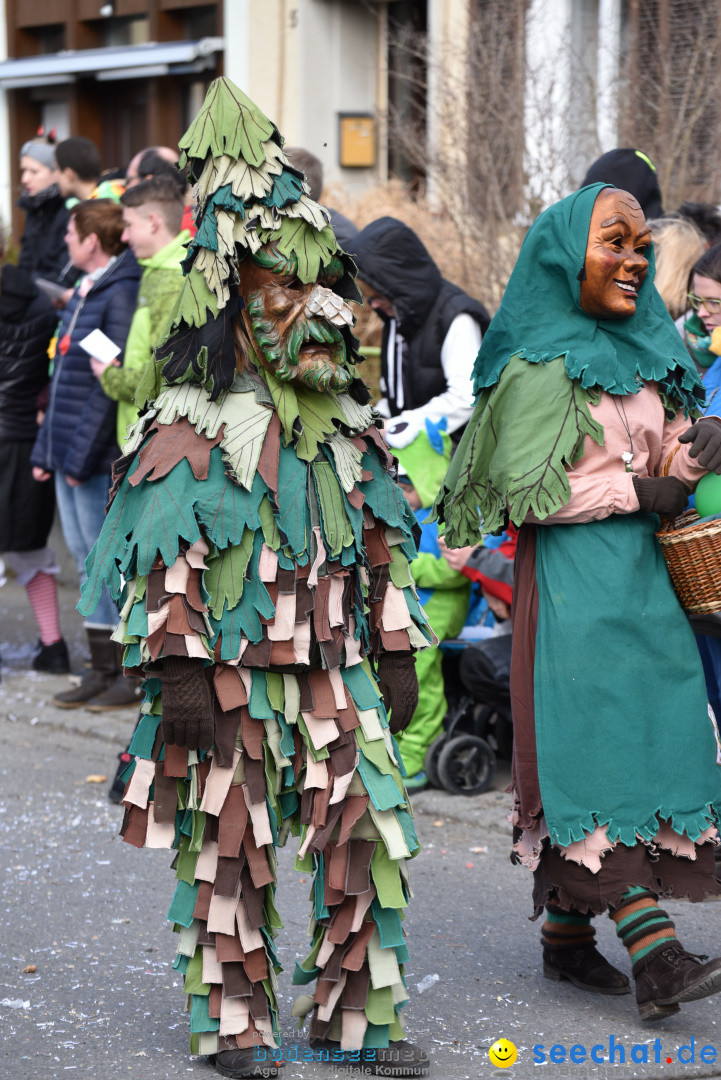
x=600 y=485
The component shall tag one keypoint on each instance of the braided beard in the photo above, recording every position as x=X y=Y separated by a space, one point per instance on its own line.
x=294 y=357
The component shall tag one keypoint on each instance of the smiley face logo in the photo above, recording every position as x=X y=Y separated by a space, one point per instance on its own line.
x=502 y=1054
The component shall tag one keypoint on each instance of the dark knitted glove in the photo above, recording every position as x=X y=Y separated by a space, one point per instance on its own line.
x=186 y=703
x=663 y=495
x=705 y=435
x=399 y=686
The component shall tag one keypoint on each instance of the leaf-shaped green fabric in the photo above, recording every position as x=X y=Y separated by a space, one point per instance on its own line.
x=143 y=521
x=311 y=247
x=287 y=188
x=335 y=523
x=512 y=459
x=225 y=509
x=207 y=234
x=385 y=499
x=293 y=517
x=244 y=618
x=224 y=577
x=346 y=459
x=244 y=422
x=195 y=304
x=228 y=123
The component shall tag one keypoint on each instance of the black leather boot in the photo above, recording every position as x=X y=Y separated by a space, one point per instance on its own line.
x=585 y=967
x=671 y=976
x=243 y=1064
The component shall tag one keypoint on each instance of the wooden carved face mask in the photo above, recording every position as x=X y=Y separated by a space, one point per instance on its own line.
x=294 y=327
x=616 y=262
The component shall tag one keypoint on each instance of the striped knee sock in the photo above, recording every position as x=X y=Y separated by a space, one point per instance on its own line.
x=566 y=928
x=43 y=597
x=641 y=924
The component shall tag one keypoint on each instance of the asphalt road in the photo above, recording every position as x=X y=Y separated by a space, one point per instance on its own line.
x=88 y=913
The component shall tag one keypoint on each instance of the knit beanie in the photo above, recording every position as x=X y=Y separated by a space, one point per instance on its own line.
x=43 y=152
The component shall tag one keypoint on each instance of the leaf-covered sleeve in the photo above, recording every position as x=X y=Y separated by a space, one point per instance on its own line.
x=512 y=460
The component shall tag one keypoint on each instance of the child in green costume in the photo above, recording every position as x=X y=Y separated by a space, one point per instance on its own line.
x=442 y=591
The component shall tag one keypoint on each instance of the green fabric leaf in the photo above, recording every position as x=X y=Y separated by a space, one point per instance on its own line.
x=225 y=509
x=228 y=123
x=293 y=517
x=311 y=247
x=508 y=464
x=224 y=577
x=244 y=617
x=287 y=188
x=335 y=523
x=384 y=497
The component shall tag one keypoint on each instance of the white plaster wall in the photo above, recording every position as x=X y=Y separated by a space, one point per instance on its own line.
x=338 y=72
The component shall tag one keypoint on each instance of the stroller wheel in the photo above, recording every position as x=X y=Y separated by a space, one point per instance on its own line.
x=430 y=764
x=466 y=765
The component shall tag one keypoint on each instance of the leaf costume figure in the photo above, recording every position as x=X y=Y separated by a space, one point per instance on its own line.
x=259 y=547
x=582 y=436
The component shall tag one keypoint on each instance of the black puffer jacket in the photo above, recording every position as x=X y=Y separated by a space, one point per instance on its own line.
x=26 y=326
x=43 y=251
x=78 y=433
x=394 y=261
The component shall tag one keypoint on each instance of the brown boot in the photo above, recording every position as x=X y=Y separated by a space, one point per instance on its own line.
x=124 y=691
x=242 y=1064
x=671 y=975
x=103 y=670
x=585 y=967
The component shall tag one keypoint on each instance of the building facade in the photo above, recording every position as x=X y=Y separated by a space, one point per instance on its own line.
x=496 y=102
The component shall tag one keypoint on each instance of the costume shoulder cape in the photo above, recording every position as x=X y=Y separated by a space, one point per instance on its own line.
x=542 y=362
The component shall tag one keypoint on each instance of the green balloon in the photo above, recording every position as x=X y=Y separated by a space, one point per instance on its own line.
x=708 y=495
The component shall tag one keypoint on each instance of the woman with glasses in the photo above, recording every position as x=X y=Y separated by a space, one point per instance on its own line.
x=582 y=436
x=702 y=333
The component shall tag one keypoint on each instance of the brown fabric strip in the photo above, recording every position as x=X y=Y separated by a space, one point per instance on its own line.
x=252 y=733
x=229 y=687
x=255 y=779
x=228 y=949
x=226 y=732
x=165 y=797
x=359 y=864
x=235 y=981
x=338 y=865
x=355 y=992
x=570 y=885
x=135 y=826
x=176 y=760
x=354 y=958
x=258 y=861
x=258 y=1002
x=256 y=965
x=353 y=810
x=232 y=822
x=202 y=902
x=524 y=766
x=341 y=921
x=214 y=999
x=321 y=838
x=324 y=706
x=227 y=876
x=253 y=899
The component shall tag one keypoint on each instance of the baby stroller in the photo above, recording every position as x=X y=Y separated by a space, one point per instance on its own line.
x=477 y=727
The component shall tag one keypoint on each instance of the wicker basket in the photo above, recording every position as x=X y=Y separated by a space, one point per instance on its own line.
x=693 y=556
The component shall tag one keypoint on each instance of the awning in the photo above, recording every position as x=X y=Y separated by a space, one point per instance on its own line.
x=128 y=62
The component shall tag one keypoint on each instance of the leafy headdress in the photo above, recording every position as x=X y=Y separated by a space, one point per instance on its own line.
x=248 y=196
